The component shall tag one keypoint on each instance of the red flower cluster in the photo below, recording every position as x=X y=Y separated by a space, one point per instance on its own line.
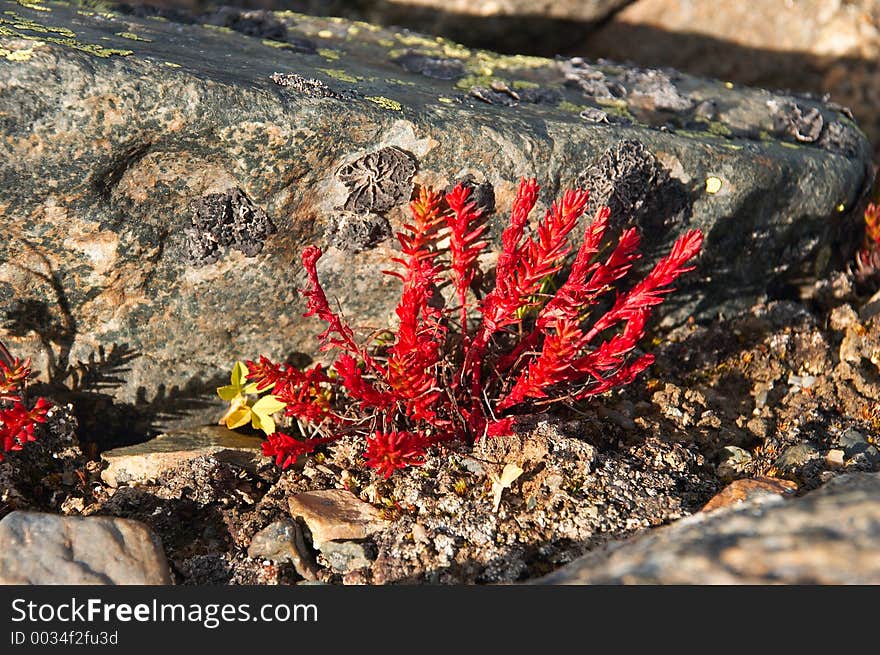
x=464 y=367
x=17 y=422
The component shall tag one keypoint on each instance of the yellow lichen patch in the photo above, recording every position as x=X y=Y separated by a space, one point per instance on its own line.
x=340 y=75
x=445 y=100
x=133 y=37
x=385 y=103
x=328 y=54
x=218 y=28
x=713 y=185
x=171 y=64
x=275 y=44
x=20 y=23
x=841 y=208
x=524 y=84
x=565 y=105
x=728 y=85
x=33 y=4
x=391 y=80
x=325 y=34
x=20 y=55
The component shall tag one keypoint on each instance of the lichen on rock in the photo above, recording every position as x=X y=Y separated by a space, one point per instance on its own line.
x=226 y=220
x=378 y=181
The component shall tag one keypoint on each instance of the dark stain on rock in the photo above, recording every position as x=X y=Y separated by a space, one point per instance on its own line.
x=438 y=68
x=482 y=193
x=305 y=86
x=355 y=233
x=226 y=220
x=629 y=180
x=378 y=181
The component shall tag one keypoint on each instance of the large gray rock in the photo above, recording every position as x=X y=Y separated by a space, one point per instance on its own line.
x=829 y=536
x=42 y=549
x=161 y=179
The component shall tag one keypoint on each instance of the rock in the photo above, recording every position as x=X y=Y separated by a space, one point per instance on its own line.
x=828 y=536
x=41 y=549
x=147 y=461
x=346 y=556
x=163 y=179
x=835 y=458
x=745 y=489
x=857 y=450
x=735 y=461
x=794 y=457
x=820 y=46
x=280 y=542
x=335 y=515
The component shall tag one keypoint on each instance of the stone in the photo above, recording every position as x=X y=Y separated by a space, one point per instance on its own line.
x=828 y=536
x=146 y=462
x=835 y=458
x=346 y=556
x=162 y=187
x=282 y=542
x=336 y=515
x=745 y=489
x=43 y=549
x=794 y=457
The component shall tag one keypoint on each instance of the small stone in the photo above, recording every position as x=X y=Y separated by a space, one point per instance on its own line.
x=734 y=462
x=345 y=556
x=147 y=461
x=336 y=515
x=795 y=457
x=748 y=489
x=844 y=316
x=282 y=541
x=41 y=549
x=834 y=458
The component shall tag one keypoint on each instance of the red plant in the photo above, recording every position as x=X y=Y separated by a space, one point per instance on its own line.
x=467 y=370
x=17 y=422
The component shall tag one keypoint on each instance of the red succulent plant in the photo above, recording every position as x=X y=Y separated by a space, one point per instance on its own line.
x=465 y=366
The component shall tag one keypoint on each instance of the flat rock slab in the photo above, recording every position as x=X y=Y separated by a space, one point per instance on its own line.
x=162 y=178
x=146 y=462
x=336 y=515
x=829 y=536
x=43 y=549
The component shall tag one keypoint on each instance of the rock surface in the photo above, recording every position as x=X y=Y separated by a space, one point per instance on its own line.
x=336 y=515
x=41 y=549
x=828 y=536
x=162 y=180
x=809 y=45
x=147 y=461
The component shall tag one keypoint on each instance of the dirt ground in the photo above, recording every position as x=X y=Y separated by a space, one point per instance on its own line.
x=788 y=389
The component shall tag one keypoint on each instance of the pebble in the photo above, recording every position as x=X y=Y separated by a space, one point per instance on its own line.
x=282 y=542
x=336 y=515
x=834 y=458
x=739 y=491
x=794 y=457
x=345 y=556
x=42 y=549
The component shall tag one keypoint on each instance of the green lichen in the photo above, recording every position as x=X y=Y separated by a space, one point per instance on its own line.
x=385 y=103
x=571 y=107
x=328 y=54
x=391 y=80
x=133 y=37
x=270 y=43
x=445 y=100
x=617 y=108
x=340 y=75
x=218 y=28
x=525 y=84
x=468 y=82
x=11 y=26
x=20 y=55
